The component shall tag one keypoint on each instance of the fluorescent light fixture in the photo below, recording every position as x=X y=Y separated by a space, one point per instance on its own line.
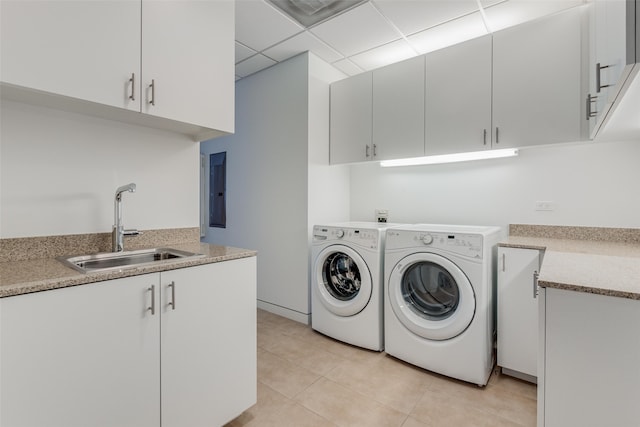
x=451 y=158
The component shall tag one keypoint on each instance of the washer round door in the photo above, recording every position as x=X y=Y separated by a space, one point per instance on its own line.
x=343 y=280
x=431 y=296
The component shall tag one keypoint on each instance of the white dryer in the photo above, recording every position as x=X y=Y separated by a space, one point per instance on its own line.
x=439 y=299
x=347 y=282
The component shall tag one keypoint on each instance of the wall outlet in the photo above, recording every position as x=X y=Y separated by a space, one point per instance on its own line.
x=545 y=206
x=382 y=215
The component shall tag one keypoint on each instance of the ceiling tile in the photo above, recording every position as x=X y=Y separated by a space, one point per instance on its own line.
x=361 y=28
x=253 y=64
x=411 y=16
x=347 y=67
x=243 y=52
x=260 y=25
x=384 y=55
x=456 y=31
x=301 y=43
x=514 y=12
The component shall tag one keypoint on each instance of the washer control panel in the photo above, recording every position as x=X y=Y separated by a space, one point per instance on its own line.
x=361 y=236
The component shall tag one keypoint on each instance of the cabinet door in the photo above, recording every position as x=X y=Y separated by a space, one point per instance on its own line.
x=351 y=120
x=537 y=96
x=187 y=52
x=398 y=110
x=458 y=98
x=613 y=53
x=208 y=343
x=592 y=348
x=81 y=356
x=518 y=310
x=81 y=49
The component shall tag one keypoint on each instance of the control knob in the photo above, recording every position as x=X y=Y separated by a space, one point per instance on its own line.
x=340 y=233
x=427 y=239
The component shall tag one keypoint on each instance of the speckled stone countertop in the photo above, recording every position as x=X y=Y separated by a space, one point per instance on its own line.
x=604 y=261
x=24 y=276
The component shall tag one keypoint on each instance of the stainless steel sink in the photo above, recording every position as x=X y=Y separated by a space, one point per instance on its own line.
x=126 y=259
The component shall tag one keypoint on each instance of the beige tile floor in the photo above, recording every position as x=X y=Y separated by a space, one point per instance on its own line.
x=308 y=379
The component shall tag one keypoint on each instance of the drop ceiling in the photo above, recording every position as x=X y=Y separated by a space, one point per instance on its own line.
x=374 y=33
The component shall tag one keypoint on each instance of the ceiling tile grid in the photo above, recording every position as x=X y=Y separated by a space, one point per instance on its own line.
x=374 y=33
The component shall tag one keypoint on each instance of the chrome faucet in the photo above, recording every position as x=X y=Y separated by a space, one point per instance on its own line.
x=118 y=233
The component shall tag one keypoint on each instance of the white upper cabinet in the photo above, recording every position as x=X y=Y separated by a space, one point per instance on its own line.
x=537 y=82
x=82 y=49
x=350 y=120
x=398 y=110
x=458 y=98
x=613 y=55
x=110 y=52
x=187 y=53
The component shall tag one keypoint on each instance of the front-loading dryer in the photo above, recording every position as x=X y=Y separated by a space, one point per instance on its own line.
x=347 y=282
x=439 y=298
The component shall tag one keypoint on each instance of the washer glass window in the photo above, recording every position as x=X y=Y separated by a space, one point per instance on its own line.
x=341 y=276
x=430 y=291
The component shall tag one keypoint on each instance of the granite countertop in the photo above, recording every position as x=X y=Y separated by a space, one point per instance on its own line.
x=34 y=275
x=608 y=265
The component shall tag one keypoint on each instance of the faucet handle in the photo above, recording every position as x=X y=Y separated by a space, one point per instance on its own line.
x=131 y=232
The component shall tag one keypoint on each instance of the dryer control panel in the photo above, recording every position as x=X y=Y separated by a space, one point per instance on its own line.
x=361 y=236
x=469 y=245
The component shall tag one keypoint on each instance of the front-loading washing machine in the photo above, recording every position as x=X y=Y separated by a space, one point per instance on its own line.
x=347 y=282
x=439 y=298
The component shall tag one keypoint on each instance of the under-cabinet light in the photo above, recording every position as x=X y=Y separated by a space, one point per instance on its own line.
x=451 y=158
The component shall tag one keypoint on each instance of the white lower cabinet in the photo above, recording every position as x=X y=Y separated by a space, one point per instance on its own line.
x=81 y=356
x=518 y=312
x=208 y=351
x=590 y=348
x=98 y=355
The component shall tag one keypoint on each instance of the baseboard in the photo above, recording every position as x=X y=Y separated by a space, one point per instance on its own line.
x=285 y=312
x=520 y=375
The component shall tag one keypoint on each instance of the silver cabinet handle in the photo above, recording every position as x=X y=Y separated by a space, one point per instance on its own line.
x=497 y=135
x=599 y=68
x=375 y=151
x=484 y=136
x=535 y=284
x=366 y=151
x=172 y=303
x=133 y=87
x=504 y=262
x=153 y=92
x=153 y=300
x=591 y=100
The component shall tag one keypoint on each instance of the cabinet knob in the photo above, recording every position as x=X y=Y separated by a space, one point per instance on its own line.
x=599 y=69
x=153 y=92
x=172 y=303
x=133 y=87
x=591 y=100
x=152 y=308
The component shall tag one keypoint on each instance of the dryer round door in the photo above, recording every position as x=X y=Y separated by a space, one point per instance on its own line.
x=431 y=296
x=343 y=280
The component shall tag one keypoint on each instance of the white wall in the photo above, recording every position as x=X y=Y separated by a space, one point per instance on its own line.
x=59 y=172
x=592 y=184
x=276 y=163
x=328 y=192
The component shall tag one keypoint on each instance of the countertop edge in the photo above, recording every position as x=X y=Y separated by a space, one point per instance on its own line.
x=76 y=278
x=588 y=289
x=577 y=256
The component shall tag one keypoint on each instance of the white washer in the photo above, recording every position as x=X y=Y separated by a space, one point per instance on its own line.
x=439 y=298
x=347 y=282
